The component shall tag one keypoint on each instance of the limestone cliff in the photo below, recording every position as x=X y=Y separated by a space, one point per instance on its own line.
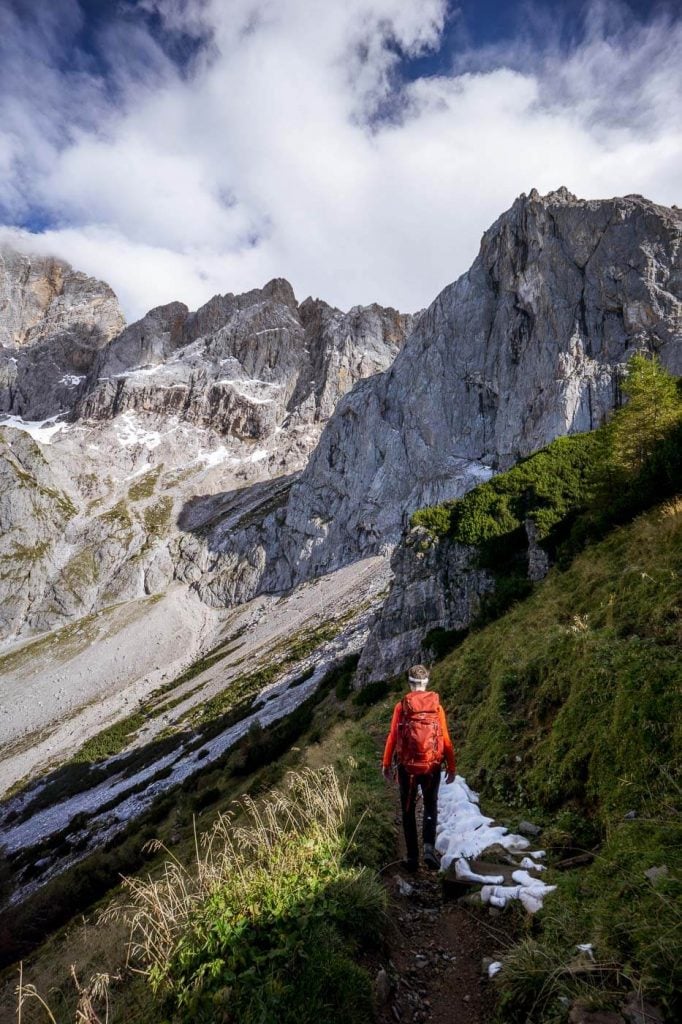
x=53 y=321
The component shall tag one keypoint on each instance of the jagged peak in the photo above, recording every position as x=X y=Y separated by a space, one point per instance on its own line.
x=279 y=290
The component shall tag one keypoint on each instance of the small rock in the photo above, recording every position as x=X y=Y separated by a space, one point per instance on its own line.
x=636 y=1011
x=580 y=1014
x=527 y=828
x=653 y=874
x=404 y=887
x=382 y=987
x=630 y=816
x=467 y=999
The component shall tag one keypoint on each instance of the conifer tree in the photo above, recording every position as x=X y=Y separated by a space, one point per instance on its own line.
x=652 y=408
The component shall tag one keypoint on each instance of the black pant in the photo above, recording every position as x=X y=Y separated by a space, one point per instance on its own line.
x=408 y=797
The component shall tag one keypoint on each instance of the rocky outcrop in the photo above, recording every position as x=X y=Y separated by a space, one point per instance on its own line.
x=53 y=321
x=436 y=586
x=246 y=365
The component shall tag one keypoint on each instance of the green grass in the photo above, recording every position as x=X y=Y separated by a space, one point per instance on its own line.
x=110 y=741
x=317 y=735
x=118 y=515
x=240 y=691
x=158 y=515
x=544 y=488
x=265 y=926
x=568 y=710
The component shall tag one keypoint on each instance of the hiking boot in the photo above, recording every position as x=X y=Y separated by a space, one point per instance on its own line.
x=431 y=860
x=410 y=865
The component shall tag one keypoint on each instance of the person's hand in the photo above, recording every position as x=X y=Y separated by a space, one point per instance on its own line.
x=450 y=777
x=386 y=772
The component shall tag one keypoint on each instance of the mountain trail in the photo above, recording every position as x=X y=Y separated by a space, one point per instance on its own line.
x=433 y=968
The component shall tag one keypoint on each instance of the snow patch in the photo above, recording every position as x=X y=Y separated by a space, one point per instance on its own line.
x=221 y=454
x=215 y=457
x=138 y=371
x=131 y=432
x=494 y=968
x=464 y=832
x=72 y=380
x=40 y=430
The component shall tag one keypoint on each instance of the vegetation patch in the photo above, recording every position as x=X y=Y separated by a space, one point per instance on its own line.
x=568 y=710
x=118 y=515
x=158 y=515
x=145 y=485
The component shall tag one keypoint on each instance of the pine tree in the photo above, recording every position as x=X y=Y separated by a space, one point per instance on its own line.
x=652 y=408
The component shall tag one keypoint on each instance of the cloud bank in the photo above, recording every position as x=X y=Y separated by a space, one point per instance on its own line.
x=210 y=146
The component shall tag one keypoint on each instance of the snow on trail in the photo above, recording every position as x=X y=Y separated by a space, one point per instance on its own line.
x=465 y=833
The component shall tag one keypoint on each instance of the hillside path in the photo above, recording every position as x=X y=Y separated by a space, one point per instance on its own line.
x=435 y=950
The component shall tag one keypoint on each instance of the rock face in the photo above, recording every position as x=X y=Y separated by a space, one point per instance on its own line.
x=436 y=586
x=246 y=365
x=526 y=346
x=53 y=321
x=175 y=405
x=188 y=430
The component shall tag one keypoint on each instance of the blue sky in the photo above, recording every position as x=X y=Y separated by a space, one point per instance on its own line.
x=180 y=148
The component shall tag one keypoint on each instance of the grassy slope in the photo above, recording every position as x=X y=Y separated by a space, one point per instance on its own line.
x=338 y=733
x=569 y=711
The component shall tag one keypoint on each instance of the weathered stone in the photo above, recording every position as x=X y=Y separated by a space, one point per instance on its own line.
x=538 y=559
x=527 y=828
x=653 y=874
x=436 y=586
x=581 y=1014
x=637 y=1011
x=53 y=322
x=382 y=987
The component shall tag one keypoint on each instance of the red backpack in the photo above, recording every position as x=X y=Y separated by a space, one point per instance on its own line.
x=420 y=736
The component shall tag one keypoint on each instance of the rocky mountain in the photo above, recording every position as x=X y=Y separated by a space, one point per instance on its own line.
x=176 y=404
x=526 y=346
x=53 y=321
x=186 y=436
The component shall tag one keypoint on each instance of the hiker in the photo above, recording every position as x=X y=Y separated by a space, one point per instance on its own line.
x=420 y=741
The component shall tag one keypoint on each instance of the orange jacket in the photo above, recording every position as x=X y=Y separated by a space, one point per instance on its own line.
x=392 y=738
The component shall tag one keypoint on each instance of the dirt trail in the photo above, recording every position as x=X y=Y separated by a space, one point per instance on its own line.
x=435 y=954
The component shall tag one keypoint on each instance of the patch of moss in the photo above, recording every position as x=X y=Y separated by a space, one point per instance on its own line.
x=157 y=516
x=26 y=553
x=145 y=485
x=81 y=571
x=118 y=515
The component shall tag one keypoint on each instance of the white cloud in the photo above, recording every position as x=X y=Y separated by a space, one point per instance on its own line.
x=268 y=156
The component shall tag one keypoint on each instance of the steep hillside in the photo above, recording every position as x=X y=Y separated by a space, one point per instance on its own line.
x=566 y=711
x=569 y=710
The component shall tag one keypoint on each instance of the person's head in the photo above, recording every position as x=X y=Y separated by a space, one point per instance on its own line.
x=418 y=677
